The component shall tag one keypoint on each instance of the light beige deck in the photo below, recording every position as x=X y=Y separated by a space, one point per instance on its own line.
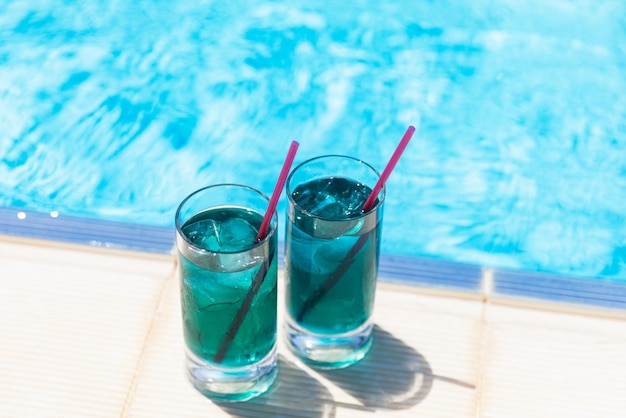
x=96 y=333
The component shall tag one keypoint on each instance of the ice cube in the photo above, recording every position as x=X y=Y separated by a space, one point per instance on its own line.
x=334 y=198
x=352 y=198
x=204 y=234
x=215 y=294
x=236 y=234
x=328 y=257
x=331 y=208
x=238 y=261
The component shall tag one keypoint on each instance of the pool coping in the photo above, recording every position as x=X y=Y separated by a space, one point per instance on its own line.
x=435 y=274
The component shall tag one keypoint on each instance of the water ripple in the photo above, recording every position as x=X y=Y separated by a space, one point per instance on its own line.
x=117 y=110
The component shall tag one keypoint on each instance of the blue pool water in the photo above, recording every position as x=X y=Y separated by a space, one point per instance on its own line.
x=116 y=110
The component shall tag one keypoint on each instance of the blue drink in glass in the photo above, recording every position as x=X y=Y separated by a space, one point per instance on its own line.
x=331 y=260
x=228 y=292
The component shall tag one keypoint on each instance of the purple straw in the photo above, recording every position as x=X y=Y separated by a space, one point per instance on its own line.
x=369 y=203
x=371 y=199
x=282 y=177
x=235 y=324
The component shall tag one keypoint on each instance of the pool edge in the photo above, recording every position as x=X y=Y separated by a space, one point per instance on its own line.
x=427 y=273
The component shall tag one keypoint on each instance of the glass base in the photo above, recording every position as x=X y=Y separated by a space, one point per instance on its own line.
x=232 y=384
x=329 y=351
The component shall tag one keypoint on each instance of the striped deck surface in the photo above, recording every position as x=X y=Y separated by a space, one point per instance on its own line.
x=96 y=332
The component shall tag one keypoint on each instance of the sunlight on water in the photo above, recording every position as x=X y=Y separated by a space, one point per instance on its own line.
x=117 y=110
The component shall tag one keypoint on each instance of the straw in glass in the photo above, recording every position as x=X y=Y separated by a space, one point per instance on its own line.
x=262 y=272
x=367 y=206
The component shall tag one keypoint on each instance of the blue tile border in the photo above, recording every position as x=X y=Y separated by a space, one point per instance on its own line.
x=430 y=272
x=86 y=231
x=586 y=291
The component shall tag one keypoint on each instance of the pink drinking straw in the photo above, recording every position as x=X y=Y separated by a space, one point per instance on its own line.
x=259 y=277
x=282 y=177
x=371 y=199
x=369 y=203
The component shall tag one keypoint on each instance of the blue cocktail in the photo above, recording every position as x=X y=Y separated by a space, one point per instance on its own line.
x=331 y=260
x=228 y=292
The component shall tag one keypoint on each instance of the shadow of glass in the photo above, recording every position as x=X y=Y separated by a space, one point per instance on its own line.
x=294 y=393
x=392 y=376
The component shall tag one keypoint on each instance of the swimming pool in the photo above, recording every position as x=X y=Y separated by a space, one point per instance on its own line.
x=114 y=111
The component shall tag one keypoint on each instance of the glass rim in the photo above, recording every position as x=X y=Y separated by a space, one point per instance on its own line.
x=270 y=232
x=374 y=208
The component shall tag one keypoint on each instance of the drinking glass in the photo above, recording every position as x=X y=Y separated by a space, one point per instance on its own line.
x=331 y=260
x=228 y=291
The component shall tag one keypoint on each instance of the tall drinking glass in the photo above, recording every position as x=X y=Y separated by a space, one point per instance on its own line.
x=331 y=260
x=228 y=291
